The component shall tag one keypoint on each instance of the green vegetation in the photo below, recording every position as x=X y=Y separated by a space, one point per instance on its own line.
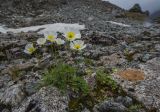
x=78 y=84
x=129 y=55
x=88 y=61
x=64 y=77
x=135 y=107
x=105 y=80
x=105 y=88
x=133 y=16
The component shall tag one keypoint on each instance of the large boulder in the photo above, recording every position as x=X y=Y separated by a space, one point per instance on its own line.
x=145 y=88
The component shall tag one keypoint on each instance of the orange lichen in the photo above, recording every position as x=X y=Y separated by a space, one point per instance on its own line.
x=132 y=74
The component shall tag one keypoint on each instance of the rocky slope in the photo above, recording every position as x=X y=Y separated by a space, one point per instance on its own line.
x=109 y=45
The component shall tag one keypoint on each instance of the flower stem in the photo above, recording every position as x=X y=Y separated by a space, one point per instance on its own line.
x=52 y=50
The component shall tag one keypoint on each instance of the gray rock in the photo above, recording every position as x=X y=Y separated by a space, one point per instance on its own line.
x=30 y=88
x=12 y=68
x=13 y=95
x=145 y=91
x=112 y=60
x=2 y=56
x=4 y=80
x=94 y=54
x=102 y=39
x=5 y=110
x=126 y=101
x=110 y=106
x=48 y=99
x=85 y=110
x=157 y=47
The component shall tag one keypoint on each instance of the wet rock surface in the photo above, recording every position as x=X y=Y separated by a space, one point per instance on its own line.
x=109 y=45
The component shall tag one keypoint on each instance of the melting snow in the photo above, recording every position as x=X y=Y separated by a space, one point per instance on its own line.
x=45 y=28
x=120 y=24
x=3 y=29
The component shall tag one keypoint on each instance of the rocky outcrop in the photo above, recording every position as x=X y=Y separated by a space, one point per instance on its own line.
x=157 y=20
x=13 y=95
x=110 y=106
x=48 y=99
x=136 y=8
x=144 y=90
x=36 y=12
x=155 y=16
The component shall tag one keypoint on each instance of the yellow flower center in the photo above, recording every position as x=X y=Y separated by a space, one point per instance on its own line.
x=51 y=38
x=70 y=35
x=77 y=46
x=31 y=50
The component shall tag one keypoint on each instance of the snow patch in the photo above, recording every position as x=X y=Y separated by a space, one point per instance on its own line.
x=3 y=29
x=57 y=27
x=147 y=24
x=119 y=24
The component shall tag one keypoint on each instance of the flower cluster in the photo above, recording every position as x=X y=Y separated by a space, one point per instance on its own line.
x=72 y=36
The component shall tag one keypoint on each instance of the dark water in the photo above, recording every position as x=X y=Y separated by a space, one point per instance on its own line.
x=151 y=5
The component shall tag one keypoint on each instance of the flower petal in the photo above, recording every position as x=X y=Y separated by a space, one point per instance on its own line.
x=59 y=41
x=27 y=52
x=84 y=46
x=41 y=41
x=72 y=45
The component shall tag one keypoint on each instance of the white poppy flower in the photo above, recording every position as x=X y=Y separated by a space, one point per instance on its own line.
x=71 y=35
x=41 y=41
x=59 y=41
x=29 y=48
x=77 y=45
x=51 y=36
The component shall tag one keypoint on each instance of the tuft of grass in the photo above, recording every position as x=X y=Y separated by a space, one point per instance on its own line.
x=129 y=55
x=105 y=80
x=135 y=108
x=64 y=77
x=78 y=84
x=59 y=76
x=88 y=61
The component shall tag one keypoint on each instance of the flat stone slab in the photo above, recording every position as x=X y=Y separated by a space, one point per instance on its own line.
x=145 y=90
